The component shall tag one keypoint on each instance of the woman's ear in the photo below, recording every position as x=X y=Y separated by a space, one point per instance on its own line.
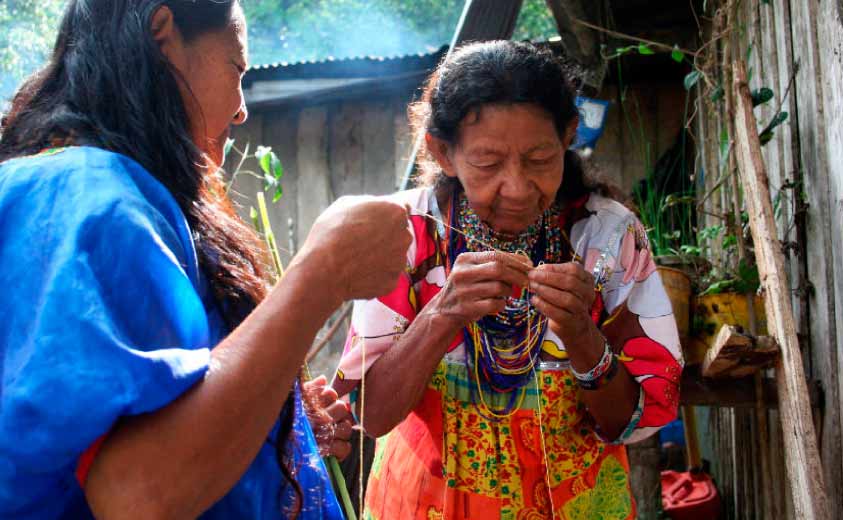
x=167 y=36
x=570 y=133
x=441 y=152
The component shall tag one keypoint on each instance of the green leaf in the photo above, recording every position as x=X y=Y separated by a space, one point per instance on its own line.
x=229 y=143
x=272 y=171
x=677 y=54
x=718 y=94
x=264 y=159
x=253 y=214
x=761 y=96
x=766 y=135
x=690 y=250
x=720 y=287
x=691 y=79
x=645 y=50
x=674 y=200
x=748 y=279
x=730 y=241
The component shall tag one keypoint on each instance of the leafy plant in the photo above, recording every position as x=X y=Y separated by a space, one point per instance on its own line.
x=271 y=169
x=721 y=277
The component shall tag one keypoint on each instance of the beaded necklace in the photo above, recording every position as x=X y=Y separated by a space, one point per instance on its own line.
x=502 y=350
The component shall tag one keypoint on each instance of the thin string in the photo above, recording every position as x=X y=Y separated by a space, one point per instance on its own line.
x=544 y=445
x=362 y=415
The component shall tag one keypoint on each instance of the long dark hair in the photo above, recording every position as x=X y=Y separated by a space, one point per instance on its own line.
x=108 y=85
x=496 y=72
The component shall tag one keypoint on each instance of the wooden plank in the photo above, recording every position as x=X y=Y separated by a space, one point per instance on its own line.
x=314 y=189
x=830 y=32
x=378 y=134
x=280 y=130
x=812 y=85
x=804 y=466
x=644 y=477
x=734 y=393
x=345 y=148
x=609 y=153
x=735 y=354
x=403 y=140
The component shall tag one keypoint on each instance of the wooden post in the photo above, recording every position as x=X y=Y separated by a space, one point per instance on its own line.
x=802 y=460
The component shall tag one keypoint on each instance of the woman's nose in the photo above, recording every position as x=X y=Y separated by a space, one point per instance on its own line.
x=241 y=116
x=516 y=185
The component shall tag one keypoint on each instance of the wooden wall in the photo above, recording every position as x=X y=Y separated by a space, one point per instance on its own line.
x=798 y=41
x=350 y=147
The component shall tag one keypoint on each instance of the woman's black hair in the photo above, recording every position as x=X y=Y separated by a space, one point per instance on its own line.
x=108 y=85
x=497 y=72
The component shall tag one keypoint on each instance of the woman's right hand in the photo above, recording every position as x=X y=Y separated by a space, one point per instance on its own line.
x=360 y=244
x=478 y=285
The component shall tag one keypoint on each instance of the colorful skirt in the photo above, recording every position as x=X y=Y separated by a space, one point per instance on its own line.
x=449 y=461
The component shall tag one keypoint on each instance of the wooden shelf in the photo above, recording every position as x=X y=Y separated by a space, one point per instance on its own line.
x=735 y=393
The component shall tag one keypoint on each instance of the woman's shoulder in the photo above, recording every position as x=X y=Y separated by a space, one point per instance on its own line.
x=94 y=171
x=608 y=209
x=77 y=182
x=420 y=200
x=602 y=223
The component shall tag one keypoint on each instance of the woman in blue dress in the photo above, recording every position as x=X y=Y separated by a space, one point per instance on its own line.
x=148 y=369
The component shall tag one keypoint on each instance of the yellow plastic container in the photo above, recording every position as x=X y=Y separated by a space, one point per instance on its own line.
x=712 y=311
x=678 y=287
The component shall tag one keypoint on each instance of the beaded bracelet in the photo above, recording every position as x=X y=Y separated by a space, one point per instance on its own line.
x=596 y=384
x=601 y=373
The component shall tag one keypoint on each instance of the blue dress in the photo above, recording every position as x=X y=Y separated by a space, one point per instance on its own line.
x=104 y=313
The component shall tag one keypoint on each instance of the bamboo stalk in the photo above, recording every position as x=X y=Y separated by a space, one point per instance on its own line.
x=804 y=468
x=330 y=461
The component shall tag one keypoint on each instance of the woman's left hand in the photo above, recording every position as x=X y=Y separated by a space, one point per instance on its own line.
x=332 y=422
x=565 y=294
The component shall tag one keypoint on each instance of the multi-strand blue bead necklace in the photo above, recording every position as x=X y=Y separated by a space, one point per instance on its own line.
x=503 y=349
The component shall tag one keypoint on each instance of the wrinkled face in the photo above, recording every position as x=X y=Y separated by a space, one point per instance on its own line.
x=212 y=67
x=510 y=161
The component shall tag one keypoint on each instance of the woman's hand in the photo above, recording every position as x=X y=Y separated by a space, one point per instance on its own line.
x=565 y=294
x=478 y=285
x=359 y=247
x=331 y=419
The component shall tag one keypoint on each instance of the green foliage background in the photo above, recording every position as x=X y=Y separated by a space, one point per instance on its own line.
x=280 y=30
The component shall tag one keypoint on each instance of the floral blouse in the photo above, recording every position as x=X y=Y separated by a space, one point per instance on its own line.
x=447 y=460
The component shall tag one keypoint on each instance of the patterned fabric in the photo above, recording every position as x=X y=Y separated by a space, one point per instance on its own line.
x=109 y=315
x=446 y=461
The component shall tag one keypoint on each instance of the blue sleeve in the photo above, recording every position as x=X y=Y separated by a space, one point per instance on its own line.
x=100 y=317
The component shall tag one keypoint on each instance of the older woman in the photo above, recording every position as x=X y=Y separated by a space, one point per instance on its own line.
x=530 y=337
x=149 y=371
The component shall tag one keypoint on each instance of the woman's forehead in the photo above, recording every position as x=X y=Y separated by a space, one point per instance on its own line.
x=495 y=126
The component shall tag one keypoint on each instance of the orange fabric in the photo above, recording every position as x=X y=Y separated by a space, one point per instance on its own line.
x=498 y=470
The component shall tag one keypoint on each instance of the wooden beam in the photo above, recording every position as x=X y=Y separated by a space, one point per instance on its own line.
x=697 y=390
x=483 y=20
x=581 y=43
x=735 y=354
x=804 y=468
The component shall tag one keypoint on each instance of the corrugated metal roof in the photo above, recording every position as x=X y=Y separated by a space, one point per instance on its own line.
x=354 y=67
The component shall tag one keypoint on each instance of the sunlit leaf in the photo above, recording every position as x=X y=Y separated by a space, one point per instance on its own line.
x=677 y=54
x=645 y=50
x=229 y=143
x=691 y=79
